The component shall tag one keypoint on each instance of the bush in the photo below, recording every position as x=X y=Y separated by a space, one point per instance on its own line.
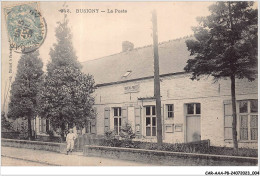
x=127 y=136
x=198 y=147
x=111 y=139
x=5 y=124
x=10 y=135
x=230 y=151
x=23 y=131
x=127 y=133
x=50 y=133
x=109 y=135
x=124 y=139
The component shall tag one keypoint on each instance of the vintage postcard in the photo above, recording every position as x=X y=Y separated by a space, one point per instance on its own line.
x=130 y=84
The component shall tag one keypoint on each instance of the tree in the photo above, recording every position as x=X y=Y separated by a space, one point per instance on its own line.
x=66 y=95
x=5 y=124
x=25 y=88
x=225 y=47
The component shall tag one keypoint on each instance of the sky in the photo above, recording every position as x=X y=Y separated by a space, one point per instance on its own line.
x=97 y=35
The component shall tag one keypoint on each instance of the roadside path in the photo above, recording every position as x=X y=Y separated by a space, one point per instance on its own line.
x=10 y=161
x=31 y=157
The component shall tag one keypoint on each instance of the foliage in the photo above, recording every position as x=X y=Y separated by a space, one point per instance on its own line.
x=66 y=94
x=5 y=124
x=111 y=139
x=10 y=135
x=225 y=46
x=226 y=42
x=23 y=130
x=193 y=147
x=124 y=139
x=50 y=133
x=231 y=152
x=127 y=133
x=110 y=134
x=25 y=88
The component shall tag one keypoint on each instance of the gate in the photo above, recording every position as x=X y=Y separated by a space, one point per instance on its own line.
x=79 y=142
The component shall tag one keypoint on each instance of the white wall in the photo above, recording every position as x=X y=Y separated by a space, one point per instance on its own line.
x=179 y=90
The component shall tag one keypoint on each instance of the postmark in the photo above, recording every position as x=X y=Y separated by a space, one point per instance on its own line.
x=26 y=27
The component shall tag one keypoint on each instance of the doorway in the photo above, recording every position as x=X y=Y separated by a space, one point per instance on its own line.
x=193 y=123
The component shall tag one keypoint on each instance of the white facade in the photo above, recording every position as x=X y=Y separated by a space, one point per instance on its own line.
x=210 y=122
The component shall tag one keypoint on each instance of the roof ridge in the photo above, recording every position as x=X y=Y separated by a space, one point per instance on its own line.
x=146 y=46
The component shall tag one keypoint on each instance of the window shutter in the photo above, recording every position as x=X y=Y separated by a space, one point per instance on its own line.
x=87 y=127
x=95 y=112
x=162 y=119
x=106 y=119
x=138 y=120
x=166 y=111
x=40 y=125
x=124 y=116
x=228 y=119
x=32 y=127
x=43 y=125
x=93 y=127
x=93 y=122
x=32 y=124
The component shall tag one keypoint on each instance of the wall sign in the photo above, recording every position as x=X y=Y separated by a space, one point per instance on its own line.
x=132 y=89
x=169 y=128
x=178 y=127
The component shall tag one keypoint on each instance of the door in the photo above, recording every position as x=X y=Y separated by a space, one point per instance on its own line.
x=131 y=117
x=193 y=129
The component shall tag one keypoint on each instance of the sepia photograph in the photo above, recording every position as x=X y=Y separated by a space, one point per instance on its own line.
x=172 y=83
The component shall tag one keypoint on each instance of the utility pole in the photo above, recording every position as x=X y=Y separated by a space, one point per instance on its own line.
x=157 y=94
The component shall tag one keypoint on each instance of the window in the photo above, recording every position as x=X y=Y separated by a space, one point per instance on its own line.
x=228 y=118
x=150 y=121
x=193 y=108
x=170 y=110
x=117 y=120
x=44 y=125
x=90 y=127
x=248 y=119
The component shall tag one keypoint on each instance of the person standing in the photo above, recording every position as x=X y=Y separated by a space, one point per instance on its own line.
x=70 y=141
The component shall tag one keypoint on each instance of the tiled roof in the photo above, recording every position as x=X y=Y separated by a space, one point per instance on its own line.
x=173 y=56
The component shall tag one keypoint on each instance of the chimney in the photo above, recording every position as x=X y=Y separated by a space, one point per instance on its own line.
x=127 y=46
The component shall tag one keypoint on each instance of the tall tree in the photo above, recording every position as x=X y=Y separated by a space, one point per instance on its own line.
x=226 y=47
x=66 y=95
x=25 y=88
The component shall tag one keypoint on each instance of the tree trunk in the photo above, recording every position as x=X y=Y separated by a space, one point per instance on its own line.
x=234 y=112
x=233 y=87
x=29 y=128
x=62 y=132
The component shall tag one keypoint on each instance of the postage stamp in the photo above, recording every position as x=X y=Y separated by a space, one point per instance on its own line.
x=26 y=27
